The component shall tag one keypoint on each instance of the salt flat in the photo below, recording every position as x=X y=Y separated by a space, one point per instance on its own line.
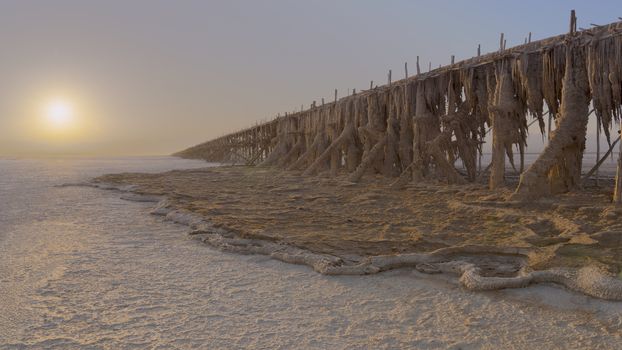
x=80 y=267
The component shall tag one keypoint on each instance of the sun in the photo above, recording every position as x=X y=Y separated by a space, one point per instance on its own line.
x=59 y=113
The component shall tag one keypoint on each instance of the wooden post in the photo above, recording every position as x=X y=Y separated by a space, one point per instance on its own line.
x=406 y=69
x=597 y=144
x=418 y=68
x=453 y=59
x=548 y=134
x=371 y=85
x=389 y=77
x=504 y=91
x=599 y=162
x=479 y=156
x=501 y=43
x=335 y=95
x=479 y=50
x=529 y=40
x=573 y=22
x=617 y=189
x=353 y=91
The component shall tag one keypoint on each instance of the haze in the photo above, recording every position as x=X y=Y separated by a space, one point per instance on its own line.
x=154 y=77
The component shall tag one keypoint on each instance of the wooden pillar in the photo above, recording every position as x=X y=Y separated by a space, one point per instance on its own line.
x=504 y=92
x=597 y=144
x=617 y=190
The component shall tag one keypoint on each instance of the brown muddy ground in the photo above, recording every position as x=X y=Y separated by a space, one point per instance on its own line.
x=332 y=215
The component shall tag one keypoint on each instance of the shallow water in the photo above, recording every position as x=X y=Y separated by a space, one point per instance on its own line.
x=81 y=268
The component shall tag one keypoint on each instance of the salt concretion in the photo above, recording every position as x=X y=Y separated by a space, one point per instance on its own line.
x=588 y=280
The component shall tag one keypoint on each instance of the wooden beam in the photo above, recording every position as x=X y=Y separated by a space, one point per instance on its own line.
x=599 y=163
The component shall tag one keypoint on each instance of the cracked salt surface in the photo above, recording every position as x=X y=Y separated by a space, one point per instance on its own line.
x=82 y=268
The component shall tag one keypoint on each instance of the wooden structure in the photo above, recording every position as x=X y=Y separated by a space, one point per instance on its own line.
x=417 y=127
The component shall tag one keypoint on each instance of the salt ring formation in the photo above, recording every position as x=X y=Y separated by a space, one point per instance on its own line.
x=408 y=135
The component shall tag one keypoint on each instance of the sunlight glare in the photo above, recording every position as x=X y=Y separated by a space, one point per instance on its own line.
x=59 y=113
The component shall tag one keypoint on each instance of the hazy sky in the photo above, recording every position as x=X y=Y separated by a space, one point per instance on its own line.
x=153 y=77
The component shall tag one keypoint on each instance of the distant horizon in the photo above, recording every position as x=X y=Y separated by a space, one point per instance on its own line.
x=81 y=156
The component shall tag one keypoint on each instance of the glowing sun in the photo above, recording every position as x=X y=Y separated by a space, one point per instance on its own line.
x=59 y=113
